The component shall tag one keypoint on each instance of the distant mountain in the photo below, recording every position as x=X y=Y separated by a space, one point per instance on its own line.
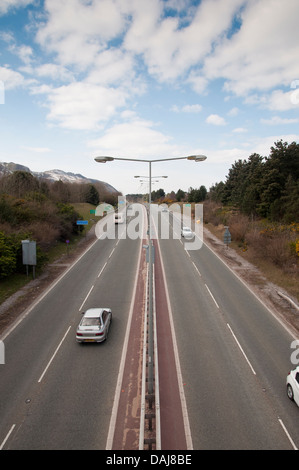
x=53 y=175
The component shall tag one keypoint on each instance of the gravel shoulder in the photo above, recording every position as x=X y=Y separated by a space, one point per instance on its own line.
x=284 y=306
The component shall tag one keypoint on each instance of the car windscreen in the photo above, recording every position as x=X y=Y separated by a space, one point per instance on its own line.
x=91 y=321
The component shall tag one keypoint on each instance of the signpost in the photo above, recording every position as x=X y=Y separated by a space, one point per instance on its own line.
x=227 y=238
x=82 y=222
x=29 y=255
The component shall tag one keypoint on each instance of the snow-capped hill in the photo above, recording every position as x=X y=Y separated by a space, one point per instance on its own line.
x=53 y=175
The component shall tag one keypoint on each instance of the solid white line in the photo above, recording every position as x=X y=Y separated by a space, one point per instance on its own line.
x=111 y=253
x=86 y=298
x=7 y=436
x=56 y=351
x=287 y=433
x=212 y=296
x=235 y=338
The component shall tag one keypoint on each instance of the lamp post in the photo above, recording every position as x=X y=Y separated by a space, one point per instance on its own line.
x=104 y=159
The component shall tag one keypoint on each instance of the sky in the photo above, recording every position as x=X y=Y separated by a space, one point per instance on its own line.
x=147 y=79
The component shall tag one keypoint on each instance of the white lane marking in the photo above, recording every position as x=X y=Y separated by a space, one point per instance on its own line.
x=56 y=351
x=212 y=296
x=7 y=436
x=235 y=338
x=198 y=272
x=27 y=312
x=280 y=321
x=102 y=269
x=86 y=297
x=288 y=435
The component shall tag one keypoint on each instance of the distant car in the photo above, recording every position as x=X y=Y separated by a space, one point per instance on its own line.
x=293 y=385
x=119 y=218
x=94 y=325
x=186 y=232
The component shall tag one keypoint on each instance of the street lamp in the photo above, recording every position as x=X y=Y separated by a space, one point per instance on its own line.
x=104 y=159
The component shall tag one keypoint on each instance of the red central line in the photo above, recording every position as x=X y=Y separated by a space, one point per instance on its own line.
x=171 y=415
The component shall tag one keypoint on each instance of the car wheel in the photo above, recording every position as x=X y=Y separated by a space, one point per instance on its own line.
x=290 y=392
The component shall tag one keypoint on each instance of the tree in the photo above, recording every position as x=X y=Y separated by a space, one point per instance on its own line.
x=197 y=195
x=180 y=195
x=8 y=260
x=92 y=195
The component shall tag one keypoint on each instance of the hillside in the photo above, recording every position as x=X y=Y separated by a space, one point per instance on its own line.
x=53 y=175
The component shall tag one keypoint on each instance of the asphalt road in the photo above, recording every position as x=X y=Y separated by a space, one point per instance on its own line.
x=56 y=393
x=234 y=355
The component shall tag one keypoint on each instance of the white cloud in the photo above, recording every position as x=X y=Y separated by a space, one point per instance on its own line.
x=6 y=5
x=83 y=106
x=37 y=149
x=188 y=108
x=261 y=54
x=112 y=66
x=282 y=101
x=276 y=121
x=168 y=49
x=239 y=130
x=54 y=72
x=135 y=139
x=77 y=31
x=233 y=112
x=216 y=120
x=10 y=78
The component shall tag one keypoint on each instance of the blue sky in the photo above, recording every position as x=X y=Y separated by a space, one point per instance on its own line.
x=147 y=79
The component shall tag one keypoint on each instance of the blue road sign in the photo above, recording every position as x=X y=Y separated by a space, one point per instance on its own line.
x=82 y=222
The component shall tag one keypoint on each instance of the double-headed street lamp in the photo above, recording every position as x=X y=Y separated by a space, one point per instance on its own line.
x=104 y=159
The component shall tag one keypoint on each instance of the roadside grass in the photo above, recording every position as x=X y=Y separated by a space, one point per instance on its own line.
x=285 y=278
x=13 y=283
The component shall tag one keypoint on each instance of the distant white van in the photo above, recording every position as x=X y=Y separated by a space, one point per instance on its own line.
x=119 y=218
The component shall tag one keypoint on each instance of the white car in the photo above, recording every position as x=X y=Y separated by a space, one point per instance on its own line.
x=94 y=326
x=293 y=385
x=186 y=232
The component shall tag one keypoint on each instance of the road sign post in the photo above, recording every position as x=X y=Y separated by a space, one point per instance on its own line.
x=29 y=255
x=227 y=238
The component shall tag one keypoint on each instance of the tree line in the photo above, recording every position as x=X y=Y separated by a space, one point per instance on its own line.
x=266 y=187
x=40 y=210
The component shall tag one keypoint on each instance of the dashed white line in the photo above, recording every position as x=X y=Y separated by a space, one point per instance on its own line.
x=102 y=269
x=56 y=351
x=86 y=297
x=288 y=435
x=7 y=436
x=247 y=360
x=212 y=296
x=196 y=268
